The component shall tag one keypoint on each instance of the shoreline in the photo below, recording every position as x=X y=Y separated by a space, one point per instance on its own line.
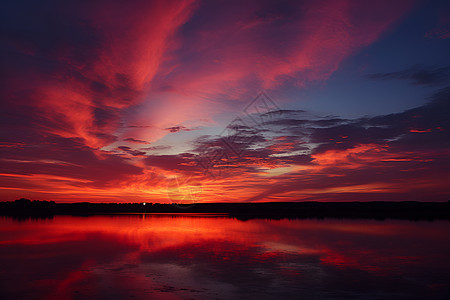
x=409 y=210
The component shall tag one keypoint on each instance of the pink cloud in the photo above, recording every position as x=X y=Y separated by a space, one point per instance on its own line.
x=85 y=98
x=149 y=69
x=231 y=55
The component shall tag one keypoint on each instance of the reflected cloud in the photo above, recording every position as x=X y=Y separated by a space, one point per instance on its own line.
x=202 y=257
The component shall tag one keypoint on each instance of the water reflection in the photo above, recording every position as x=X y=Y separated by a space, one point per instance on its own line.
x=214 y=257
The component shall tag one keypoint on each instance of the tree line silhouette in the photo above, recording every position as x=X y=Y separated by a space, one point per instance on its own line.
x=273 y=210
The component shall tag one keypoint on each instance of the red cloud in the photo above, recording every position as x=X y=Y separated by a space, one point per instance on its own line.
x=110 y=71
x=236 y=52
x=124 y=46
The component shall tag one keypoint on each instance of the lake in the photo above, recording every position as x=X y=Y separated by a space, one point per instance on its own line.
x=198 y=256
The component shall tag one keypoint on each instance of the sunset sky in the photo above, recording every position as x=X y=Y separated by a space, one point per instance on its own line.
x=225 y=101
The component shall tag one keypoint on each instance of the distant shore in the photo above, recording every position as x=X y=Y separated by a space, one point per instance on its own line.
x=271 y=210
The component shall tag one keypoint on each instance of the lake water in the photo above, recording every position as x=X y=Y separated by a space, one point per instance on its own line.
x=215 y=257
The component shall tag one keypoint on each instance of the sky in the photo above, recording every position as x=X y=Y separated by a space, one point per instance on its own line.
x=225 y=101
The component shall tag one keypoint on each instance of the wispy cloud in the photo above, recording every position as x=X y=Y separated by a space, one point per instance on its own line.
x=418 y=75
x=89 y=84
x=135 y=141
x=394 y=157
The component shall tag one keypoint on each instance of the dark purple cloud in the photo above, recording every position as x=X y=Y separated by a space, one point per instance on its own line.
x=418 y=75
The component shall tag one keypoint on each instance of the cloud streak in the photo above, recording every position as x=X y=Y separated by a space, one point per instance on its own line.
x=86 y=86
x=399 y=156
x=418 y=75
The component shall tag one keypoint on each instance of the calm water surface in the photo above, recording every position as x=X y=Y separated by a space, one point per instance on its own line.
x=213 y=257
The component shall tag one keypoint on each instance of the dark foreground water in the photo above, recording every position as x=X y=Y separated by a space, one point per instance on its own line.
x=213 y=257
